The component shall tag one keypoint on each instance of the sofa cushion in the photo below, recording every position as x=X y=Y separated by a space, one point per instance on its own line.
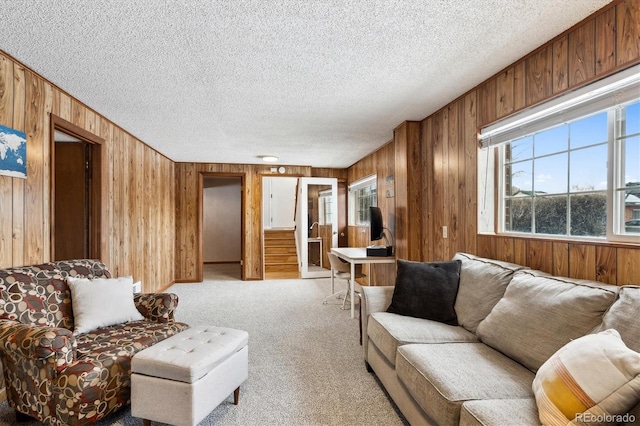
x=590 y=376
x=540 y=313
x=442 y=377
x=388 y=331
x=499 y=412
x=426 y=290
x=623 y=316
x=482 y=284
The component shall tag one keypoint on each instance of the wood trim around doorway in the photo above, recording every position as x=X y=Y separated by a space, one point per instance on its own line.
x=97 y=219
x=199 y=261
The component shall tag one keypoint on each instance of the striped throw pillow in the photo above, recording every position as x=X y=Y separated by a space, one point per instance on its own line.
x=594 y=380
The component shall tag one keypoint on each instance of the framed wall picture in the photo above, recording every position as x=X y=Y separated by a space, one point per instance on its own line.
x=13 y=152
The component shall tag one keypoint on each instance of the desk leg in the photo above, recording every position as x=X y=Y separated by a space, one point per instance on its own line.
x=333 y=289
x=353 y=289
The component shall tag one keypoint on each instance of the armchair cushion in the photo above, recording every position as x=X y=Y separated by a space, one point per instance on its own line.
x=102 y=302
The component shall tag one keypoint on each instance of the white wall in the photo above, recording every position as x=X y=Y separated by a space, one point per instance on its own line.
x=278 y=202
x=221 y=220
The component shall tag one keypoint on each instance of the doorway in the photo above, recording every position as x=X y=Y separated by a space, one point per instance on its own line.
x=222 y=227
x=76 y=192
x=316 y=225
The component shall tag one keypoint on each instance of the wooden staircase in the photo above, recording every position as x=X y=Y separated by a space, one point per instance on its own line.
x=280 y=258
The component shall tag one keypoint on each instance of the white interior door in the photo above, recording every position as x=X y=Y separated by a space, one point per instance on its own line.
x=316 y=224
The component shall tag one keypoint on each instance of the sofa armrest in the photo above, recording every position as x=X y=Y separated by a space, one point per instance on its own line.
x=56 y=345
x=374 y=299
x=156 y=307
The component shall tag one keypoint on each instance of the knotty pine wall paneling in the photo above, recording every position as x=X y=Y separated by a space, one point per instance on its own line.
x=606 y=42
x=138 y=183
x=382 y=163
x=408 y=206
x=188 y=223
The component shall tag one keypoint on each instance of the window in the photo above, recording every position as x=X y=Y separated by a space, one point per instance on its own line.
x=362 y=195
x=553 y=175
x=325 y=202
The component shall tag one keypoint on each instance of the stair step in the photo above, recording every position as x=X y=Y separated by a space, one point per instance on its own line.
x=281 y=267
x=278 y=233
x=280 y=250
x=280 y=258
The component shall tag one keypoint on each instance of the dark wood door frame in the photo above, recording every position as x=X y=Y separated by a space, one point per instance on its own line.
x=97 y=216
x=200 y=257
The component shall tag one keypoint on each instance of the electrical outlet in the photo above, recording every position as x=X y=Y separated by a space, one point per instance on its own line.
x=137 y=287
x=444 y=232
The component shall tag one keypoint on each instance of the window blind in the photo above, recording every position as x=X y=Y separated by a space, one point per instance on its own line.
x=359 y=184
x=606 y=93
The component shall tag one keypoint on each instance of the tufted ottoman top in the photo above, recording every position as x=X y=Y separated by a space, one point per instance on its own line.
x=190 y=354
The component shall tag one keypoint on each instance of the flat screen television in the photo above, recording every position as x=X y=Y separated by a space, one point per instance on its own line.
x=375 y=223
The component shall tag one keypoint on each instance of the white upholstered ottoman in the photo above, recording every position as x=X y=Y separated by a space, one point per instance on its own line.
x=180 y=380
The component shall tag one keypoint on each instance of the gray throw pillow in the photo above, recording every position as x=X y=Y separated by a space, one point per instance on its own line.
x=426 y=290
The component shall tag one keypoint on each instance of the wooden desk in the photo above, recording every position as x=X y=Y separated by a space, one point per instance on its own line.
x=356 y=255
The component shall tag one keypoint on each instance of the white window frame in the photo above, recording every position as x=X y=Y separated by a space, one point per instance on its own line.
x=370 y=182
x=607 y=94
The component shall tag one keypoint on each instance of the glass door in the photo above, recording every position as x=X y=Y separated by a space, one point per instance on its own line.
x=316 y=225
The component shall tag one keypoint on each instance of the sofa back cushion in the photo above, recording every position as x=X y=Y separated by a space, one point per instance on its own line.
x=482 y=285
x=39 y=294
x=540 y=313
x=623 y=316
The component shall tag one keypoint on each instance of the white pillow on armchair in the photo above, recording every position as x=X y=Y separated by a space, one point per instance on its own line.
x=102 y=302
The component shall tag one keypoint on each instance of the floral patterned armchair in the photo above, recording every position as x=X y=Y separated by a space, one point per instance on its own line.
x=55 y=376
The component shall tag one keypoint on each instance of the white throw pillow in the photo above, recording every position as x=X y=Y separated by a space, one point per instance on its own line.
x=102 y=302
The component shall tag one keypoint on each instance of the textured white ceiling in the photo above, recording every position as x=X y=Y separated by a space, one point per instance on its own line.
x=318 y=82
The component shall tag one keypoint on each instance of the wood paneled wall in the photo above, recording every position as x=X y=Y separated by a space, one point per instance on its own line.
x=409 y=163
x=138 y=217
x=603 y=44
x=188 y=223
x=382 y=163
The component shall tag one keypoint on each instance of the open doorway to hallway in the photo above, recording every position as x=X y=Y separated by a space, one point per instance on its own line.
x=76 y=192
x=222 y=227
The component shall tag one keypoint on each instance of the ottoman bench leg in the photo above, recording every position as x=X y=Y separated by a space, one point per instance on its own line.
x=236 y=396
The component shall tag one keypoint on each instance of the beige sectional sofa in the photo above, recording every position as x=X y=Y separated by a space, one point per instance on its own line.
x=511 y=320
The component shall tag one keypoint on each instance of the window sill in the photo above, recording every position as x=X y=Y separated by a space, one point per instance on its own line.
x=563 y=239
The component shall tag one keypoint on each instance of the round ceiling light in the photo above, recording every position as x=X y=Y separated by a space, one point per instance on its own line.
x=269 y=158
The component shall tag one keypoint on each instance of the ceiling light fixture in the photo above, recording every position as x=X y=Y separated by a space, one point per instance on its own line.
x=269 y=158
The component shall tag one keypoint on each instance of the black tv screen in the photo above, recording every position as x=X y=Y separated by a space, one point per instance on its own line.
x=375 y=223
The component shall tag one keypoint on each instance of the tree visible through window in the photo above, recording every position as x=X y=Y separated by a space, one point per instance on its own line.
x=555 y=181
x=362 y=195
